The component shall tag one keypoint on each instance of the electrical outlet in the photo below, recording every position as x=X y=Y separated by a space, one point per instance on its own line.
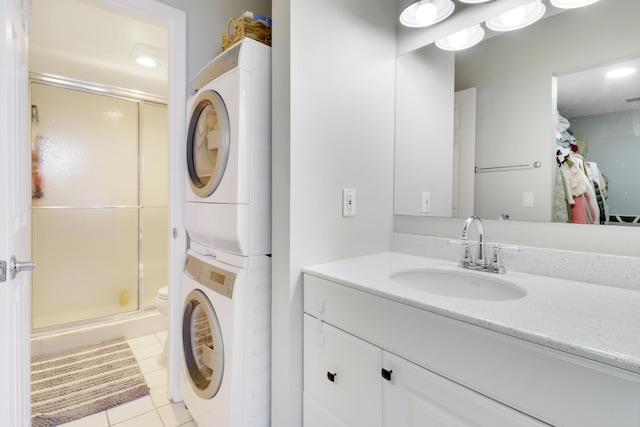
x=348 y=202
x=426 y=202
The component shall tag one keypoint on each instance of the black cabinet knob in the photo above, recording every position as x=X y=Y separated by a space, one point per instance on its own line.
x=386 y=374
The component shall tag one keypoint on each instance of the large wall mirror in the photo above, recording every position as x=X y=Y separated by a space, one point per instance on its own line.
x=477 y=129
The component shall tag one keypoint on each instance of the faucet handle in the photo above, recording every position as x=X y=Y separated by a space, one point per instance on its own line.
x=467 y=258
x=495 y=264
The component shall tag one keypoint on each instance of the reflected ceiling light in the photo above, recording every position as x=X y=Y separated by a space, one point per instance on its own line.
x=620 y=72
x=462 y=39
x=571 y=4
x=148 y=56
x=146 y=61
x=473 y=1
x=423 y=13
x=517 y=18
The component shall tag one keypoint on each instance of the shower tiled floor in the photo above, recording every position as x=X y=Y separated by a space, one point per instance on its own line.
x=154 y=410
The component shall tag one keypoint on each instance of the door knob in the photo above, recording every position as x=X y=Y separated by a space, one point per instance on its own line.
x=16 y=267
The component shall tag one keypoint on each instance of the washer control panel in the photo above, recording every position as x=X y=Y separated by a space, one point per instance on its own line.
x=212 y=277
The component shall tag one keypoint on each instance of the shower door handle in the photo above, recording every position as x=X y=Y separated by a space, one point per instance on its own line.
x=16 y=267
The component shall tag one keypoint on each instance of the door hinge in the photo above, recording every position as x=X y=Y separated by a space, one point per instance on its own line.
x=3 y=271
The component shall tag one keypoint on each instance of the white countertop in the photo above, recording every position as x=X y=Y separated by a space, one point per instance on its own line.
x=600 y=323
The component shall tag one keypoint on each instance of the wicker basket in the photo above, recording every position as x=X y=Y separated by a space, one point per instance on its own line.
x=245 y=26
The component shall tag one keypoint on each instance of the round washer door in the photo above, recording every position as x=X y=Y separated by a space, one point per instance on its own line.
x=208 y=141
x=202 y=345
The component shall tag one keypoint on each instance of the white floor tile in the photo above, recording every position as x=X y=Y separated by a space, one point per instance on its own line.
x=149 y=365
x=51 y=345
x=71 y=341
x=95 y=420
x=147 y=351
x=189 y=424
x=174 y=415
x=156 y=378
x=150 y=419
x=159 y=396
x=130 y=410
x=36 y=348
x=142 y=341
x=162 y=336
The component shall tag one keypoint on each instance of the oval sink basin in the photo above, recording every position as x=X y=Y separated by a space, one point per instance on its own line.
x=459 y=284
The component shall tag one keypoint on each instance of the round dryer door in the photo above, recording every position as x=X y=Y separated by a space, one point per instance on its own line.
x=207 y=143
x=202 y=345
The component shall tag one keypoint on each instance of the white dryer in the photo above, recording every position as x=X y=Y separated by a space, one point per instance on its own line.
x=226 y=352
x=228 y=192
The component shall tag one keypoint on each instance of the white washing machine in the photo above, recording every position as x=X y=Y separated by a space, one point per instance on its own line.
x=226 y=352
x=228 y=194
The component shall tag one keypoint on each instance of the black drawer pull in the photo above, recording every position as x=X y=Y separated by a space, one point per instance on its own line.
x=386 y=374
x=331 y=377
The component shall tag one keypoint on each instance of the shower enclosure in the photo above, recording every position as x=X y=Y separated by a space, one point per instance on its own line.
x=99 y=201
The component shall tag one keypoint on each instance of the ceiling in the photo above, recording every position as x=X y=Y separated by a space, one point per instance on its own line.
x=590 y=92
x=89 y=40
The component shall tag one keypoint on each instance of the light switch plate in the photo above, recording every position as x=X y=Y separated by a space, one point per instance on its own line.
x=426 y=202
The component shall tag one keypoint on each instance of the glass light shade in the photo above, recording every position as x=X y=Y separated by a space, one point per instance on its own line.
x=474 y=1
x=517 y=18
x=423 y=13
x=571 y=4
x=462 y=39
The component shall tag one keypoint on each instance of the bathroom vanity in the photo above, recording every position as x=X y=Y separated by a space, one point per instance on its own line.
x=378 y=352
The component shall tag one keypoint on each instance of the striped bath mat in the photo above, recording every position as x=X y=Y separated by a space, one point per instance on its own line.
x=81 y=382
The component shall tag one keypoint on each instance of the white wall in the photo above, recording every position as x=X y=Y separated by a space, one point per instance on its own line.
x=613 y=142
x=206 y=21
x=333 y=112
x=609 y=30
x=424 y=132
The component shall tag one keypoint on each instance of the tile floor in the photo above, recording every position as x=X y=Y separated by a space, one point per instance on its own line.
x=154 y=410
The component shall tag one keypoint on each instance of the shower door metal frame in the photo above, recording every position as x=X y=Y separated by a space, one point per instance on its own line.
x=128 y=95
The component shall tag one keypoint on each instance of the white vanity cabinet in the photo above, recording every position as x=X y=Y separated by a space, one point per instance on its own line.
x=350 y=382
x=370 y=361
x=341 y=378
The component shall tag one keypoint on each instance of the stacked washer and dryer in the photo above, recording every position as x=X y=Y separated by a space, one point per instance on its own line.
x=226 y=339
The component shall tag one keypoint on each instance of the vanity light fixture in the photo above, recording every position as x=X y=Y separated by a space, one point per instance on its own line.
x=620 y=72
x=571 y=4
x=423 y=13
x=462 y=39
x=474 y=1
x=517 y=18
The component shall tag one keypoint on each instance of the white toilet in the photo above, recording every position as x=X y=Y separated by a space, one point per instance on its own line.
x=162 y=304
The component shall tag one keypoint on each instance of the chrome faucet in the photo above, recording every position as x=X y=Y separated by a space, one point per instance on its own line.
x=480 y=262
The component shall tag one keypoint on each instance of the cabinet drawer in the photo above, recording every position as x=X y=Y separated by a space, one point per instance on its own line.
x=342 y=373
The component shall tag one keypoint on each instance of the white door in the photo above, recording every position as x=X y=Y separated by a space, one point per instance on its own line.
x=464 y=152
x=15 y=221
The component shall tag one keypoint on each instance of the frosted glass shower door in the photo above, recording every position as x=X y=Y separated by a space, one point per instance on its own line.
x=85 y=205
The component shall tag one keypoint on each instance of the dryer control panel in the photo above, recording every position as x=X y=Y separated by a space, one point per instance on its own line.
x=214 y=278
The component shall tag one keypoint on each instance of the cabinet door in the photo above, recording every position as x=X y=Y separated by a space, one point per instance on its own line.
x=342 y=374
x=316 y=415
x=417 y=397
